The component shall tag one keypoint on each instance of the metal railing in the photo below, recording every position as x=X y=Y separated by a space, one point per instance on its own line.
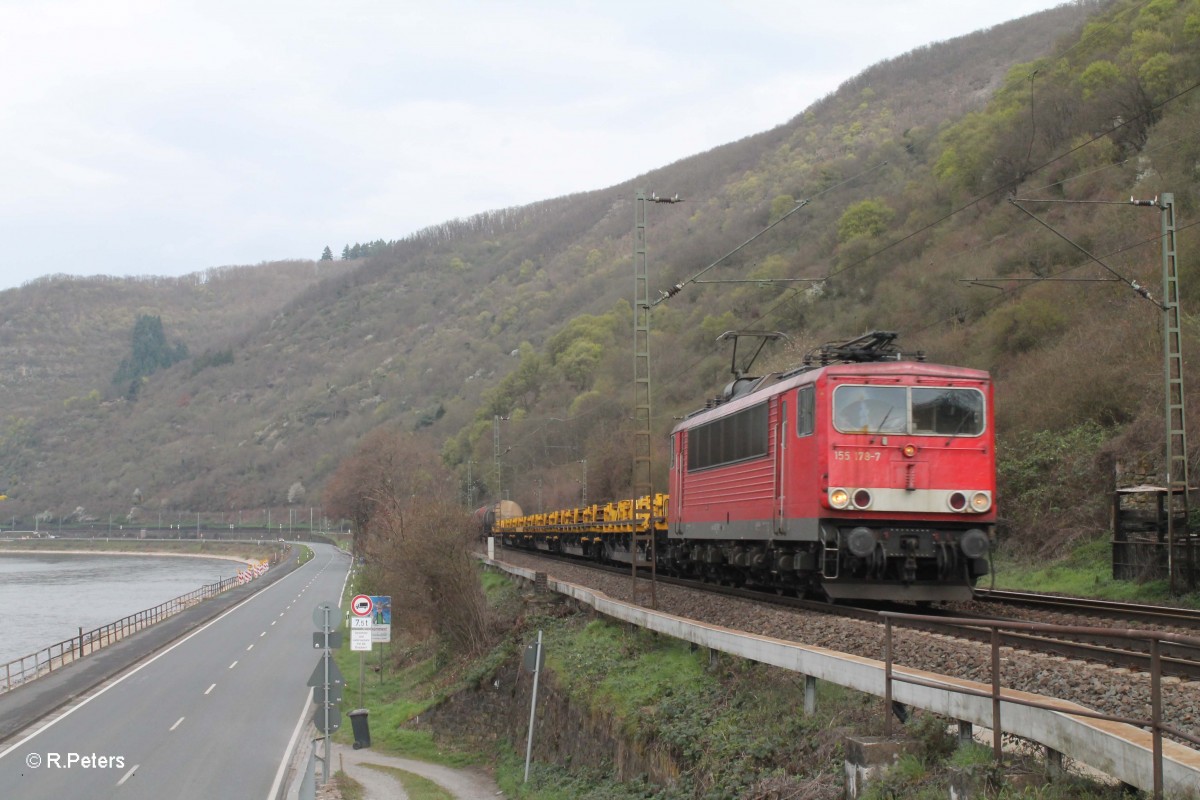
x=56 y=656
x=1154 y=723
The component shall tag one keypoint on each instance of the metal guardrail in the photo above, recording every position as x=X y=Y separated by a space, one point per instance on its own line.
x=56 y=656
x=1155 y=722
x=1119 y=752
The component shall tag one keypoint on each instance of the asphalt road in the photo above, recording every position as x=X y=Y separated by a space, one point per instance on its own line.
x=210 y=716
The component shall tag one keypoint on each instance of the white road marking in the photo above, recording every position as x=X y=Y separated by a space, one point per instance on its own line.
x=129 y=774
x=234 y=664
x=209 y=689
x=177 y=723
x=148 y=662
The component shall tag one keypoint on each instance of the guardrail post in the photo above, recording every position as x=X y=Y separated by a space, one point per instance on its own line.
x=997 y=747
x=887 y=677
x=810 y=695
x=1156 y=714
x=1054 y=763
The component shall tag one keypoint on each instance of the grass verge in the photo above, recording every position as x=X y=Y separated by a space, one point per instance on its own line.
x=1086 y=572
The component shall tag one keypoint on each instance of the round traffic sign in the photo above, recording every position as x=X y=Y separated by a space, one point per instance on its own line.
x=326 y=615
x=361 y=605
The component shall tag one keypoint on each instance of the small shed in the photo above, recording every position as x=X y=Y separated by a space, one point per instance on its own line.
x=1141 y=546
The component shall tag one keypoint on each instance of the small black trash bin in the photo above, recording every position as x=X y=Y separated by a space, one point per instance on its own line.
x=362 y=728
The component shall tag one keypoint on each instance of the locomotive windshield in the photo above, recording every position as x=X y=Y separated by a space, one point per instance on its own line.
x=936 y=411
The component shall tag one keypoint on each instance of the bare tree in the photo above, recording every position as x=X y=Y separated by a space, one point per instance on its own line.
x=413 y=537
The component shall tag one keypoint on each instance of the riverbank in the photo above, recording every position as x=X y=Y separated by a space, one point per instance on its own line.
x=244 y=551
x=34 y=700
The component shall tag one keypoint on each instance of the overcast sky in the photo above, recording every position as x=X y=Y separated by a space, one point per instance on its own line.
x=161 y=137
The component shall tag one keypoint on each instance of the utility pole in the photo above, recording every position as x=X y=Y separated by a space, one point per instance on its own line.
x=470 y=487
x=1176 y=420
x=1175 y=466
x=496 y=454
x=643 y=528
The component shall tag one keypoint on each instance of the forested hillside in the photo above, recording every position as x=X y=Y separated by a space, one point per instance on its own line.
x=904 y=178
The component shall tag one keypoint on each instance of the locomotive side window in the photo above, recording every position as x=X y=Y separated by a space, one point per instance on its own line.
x=805 y=411
x=947 y=412
x=736 y=437
x=870 y=409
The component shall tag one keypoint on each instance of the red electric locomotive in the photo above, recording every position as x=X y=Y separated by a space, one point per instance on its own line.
x=872 y=478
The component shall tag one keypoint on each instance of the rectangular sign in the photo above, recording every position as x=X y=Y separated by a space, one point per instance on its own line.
x=381 y=616
x=360 y=633
x=335 y=640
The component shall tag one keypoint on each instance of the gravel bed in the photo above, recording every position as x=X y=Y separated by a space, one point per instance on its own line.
x=1113 y=691
x=1034 y=614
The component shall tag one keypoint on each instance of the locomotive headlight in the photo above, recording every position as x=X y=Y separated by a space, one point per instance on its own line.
x=839 y=498
x=981 y=502
x=909 y=450
x=957 y=501
x=860 y=542
x=974 y=543
x=862 y=499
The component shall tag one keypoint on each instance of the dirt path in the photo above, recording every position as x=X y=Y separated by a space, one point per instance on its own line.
x=464 y=784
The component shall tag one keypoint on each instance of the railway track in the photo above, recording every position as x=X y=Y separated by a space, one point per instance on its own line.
x=1166 y=616
x=1113 y=647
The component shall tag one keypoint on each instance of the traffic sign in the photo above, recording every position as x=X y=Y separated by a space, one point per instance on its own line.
x=534 y=658
x=381 y=616
x=360 y=633
x=335 y=694
x=326 y=613
x=334 y=718
x=335 y=640
x=318 y=674
x=361 y=605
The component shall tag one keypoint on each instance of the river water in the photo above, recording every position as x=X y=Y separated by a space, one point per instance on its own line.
x=45 y=598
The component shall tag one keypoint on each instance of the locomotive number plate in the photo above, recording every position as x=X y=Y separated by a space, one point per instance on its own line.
x=857 y=455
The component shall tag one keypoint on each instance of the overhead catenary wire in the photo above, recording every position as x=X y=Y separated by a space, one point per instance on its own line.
x=1132 y=284
x=1007 y=185
x=792 y=292
x=1025 y=283
x=677 y=288
x=979 y=199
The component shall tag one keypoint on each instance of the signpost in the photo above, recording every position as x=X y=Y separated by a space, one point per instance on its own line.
x=326 y=679
x=381 y=616
x=534 y=658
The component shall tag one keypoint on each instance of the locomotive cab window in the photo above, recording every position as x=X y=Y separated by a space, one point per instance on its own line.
x=870 y=409
x=917 y=410
x=944 y=411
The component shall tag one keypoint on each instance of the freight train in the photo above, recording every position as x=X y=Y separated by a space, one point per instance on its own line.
x=862 y=474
